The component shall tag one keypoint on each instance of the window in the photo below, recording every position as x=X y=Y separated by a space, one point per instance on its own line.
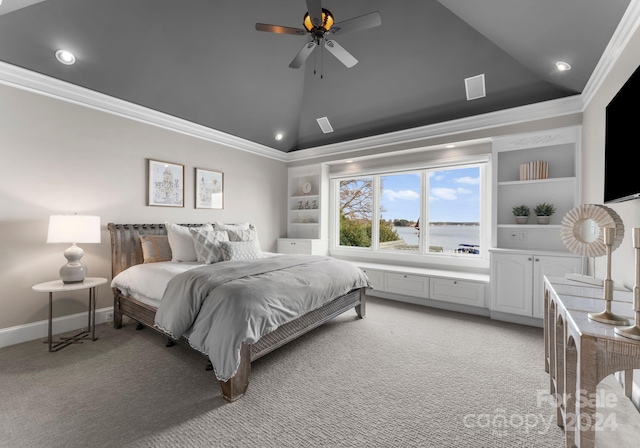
x=437 y=211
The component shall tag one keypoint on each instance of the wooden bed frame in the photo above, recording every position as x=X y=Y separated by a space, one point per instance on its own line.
x=126 y=251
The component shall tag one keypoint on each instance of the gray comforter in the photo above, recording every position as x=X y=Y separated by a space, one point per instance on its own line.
x=220 y=306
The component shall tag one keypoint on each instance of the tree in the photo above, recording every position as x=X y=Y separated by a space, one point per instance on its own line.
x=356 y=198
x=356 y=211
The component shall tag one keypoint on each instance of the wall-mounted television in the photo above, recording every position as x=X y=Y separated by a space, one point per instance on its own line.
x=621 y=174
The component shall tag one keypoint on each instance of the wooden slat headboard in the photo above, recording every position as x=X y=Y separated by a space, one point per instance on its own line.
x=126 y=250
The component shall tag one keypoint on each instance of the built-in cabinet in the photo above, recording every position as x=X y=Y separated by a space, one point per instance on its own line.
x=517 y=280
x=522 y=254
x=293 y=246
x=560 y=150
x=307 y=211
x=308 y=202
x=428 y=286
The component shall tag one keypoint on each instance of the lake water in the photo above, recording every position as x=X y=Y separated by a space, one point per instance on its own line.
x=449 y=237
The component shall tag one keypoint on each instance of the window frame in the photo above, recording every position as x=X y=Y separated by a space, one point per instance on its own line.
x=422 y=256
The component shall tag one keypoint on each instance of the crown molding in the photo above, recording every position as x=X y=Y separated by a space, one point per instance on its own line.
x=35 y=82
x=547 y=109
x=621 y=36
x=24 y=79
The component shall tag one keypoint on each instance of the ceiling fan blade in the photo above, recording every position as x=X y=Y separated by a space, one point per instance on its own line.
x=314 y=8
x=340 y=53
x=357 y=23
x=280 y=29
x=303 y=55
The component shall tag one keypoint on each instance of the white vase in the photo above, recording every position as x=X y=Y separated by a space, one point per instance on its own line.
x=522 y=219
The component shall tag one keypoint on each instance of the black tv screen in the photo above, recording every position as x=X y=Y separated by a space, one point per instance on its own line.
x=621 y=180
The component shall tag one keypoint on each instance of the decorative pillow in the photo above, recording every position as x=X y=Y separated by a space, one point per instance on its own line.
x=155 y=248
x=243 y=235
x=207 y=244
x=240 y=250
x=182 y=247
x=217 y=225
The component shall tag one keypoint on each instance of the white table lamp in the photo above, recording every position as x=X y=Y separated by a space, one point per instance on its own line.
x=73 y=229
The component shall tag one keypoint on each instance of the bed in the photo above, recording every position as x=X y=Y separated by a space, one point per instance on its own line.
x=213 y=336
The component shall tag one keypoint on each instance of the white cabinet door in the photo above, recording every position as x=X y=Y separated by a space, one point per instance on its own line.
x=512 y=283
x=517 y=280
x=407 y=284
x=457 y=291
x=376 y=278
x=550 y=266
x=298 y=246
x=284 y=246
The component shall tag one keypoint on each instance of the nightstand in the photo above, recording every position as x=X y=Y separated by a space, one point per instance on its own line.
x=90 y=283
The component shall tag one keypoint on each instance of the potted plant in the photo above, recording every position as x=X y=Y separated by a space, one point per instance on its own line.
x=521 y=212
x=543 y=212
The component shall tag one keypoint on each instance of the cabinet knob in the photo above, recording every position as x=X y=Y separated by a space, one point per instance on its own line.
x=537 y=259
x=455 y=282
x=405 y=276
x=529 y=258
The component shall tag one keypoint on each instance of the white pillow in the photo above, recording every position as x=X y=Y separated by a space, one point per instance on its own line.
x=182 y=247
x=240 y=250
x=217 y=225
x=207 y=244
x=243 y=235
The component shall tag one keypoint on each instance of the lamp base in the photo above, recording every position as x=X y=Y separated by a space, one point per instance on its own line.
x=606 y=317
x=632 y=332
x=73 y=273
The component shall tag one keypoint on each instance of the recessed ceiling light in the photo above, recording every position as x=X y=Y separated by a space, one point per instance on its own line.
x=450 y=146
x=279 y=136
x=65 y=57
x=349 y=161
x=563 y=66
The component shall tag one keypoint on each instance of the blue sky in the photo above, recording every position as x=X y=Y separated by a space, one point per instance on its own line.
x=453 y=195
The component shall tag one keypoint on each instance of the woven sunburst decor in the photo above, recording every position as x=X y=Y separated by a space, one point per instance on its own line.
x=570 y=229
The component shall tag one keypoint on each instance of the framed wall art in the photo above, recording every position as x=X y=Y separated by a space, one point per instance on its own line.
x=209 y=189
x=166 y=184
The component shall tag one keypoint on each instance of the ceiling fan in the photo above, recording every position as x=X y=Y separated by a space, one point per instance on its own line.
x=318 y=24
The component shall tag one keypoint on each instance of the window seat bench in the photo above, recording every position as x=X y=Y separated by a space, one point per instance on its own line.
x=438 y=288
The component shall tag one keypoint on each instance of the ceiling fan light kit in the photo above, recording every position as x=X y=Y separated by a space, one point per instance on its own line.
x=318 y=23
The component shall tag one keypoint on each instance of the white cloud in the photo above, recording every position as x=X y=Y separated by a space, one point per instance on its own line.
x=408 y=195
x=468 y=180
x=448 y=194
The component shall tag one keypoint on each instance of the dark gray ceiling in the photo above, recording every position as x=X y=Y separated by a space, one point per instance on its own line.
x=203 y=60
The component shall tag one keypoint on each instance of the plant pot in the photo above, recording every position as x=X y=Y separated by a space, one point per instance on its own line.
x=543 y=219
x=522 y=219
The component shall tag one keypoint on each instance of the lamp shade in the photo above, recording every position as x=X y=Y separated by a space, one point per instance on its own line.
x=74 y=229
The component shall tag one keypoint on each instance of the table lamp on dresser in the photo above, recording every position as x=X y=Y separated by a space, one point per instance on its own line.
x=73 y=229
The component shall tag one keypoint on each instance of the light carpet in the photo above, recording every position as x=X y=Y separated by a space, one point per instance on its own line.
x=405 y=376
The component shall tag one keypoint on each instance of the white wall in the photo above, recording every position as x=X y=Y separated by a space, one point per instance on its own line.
x=622 y=260
x=61 y=158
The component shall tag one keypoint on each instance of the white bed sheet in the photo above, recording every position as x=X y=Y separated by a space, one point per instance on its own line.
x=147 y=282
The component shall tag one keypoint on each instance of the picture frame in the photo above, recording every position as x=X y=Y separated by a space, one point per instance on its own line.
x=209 y=189
x=166 y=184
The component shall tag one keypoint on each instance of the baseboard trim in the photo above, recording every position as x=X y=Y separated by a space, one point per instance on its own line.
x=478 y=311
x=38 y=330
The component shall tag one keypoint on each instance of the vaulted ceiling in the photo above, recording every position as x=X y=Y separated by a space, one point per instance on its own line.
x=205 y=62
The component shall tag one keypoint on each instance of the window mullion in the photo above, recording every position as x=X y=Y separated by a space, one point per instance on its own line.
x=375 y=218
x=424 y=206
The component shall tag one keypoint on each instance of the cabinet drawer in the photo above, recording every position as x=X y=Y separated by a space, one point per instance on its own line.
x=409 y=285
x=376 y=278
x=457 y=291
